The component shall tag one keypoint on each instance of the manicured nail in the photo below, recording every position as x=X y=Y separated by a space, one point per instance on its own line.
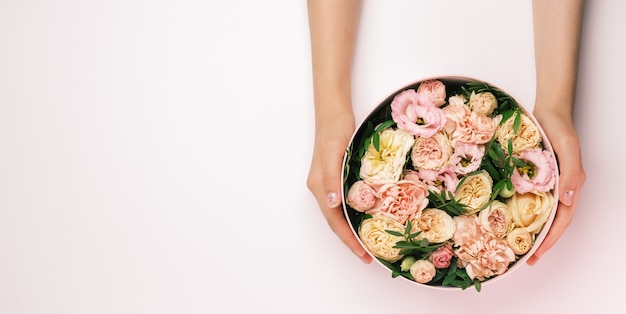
x=568 y=198
x=332 y=200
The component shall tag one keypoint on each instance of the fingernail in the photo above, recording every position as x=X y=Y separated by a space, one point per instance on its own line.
x=568 y=198
x=362 y=255
x=332 y=200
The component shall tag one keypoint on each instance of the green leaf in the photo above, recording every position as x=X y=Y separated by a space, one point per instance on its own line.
x=449 y=279
x=517 y=122
x=407 y=230
x=395 y=233
x=477 y=285
x=376 y=141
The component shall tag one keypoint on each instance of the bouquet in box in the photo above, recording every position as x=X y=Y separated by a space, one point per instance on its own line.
x=450 y=183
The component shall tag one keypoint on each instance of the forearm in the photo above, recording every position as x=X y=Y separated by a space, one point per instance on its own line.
x=333 y=25
x=557 y=27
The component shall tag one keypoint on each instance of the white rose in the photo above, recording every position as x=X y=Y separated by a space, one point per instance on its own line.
x=530 y=211
x=483 y=103
x=435 y=225
x=474 y=191
x=386 y=164
x=527 y=137
x=378 y=241
x=496 y=218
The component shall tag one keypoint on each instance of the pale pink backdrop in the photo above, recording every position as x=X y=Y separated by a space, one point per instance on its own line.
x=153 y=156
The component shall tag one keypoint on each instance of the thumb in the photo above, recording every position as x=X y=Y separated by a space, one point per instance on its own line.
x=332 y=160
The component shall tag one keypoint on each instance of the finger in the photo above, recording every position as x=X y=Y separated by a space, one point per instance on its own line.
x=564 y=215
x=332 y=157
x=339 y=225
x=571 y=182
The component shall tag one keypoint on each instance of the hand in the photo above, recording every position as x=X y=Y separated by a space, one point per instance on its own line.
x=560 y=130
x=332 y=137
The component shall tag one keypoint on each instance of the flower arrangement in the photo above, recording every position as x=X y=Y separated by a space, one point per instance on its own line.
x=450 y=182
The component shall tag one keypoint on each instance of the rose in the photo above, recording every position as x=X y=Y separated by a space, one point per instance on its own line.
x=378 y=241
x=483 y=103
x=475 y=128
x=401 y=201
x=442 y=256
x=423 y=271
x=519 y=240
x=466 y=229
x=431 y=153
x=435 y=225
x=457 y=100
x=466 y=157
x=474 y=191
x=444 y=179
x=485 y=257
x=417 y=114
x=539 y=174
x=530 y=211
x=455 y=112
x=435 y=90
x=527 y=136
x=361 y=196
x=385 y=165
x=496 y=218
x=482 y=253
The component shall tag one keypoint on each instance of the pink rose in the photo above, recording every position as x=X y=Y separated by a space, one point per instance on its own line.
x=466 y=157
x=538 y=176
x=432 y=152
x=467 y=228
x=401 y=200
x=361 y=196
x=435 y=90
x=485 y=257
x=481 y=252
x=417 y=114
x=444 y=179
x=442 y=256
x=475 y=128
x=455 y=112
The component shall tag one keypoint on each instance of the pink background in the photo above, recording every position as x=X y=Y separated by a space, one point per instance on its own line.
x=153 y=156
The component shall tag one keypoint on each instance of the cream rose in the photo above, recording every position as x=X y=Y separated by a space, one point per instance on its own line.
x=474 y=191
x=435 y=90
x=496 y=218
x=386 y=164
x=530 y=211
x=435 y=225
x=483 y=103
x=527 y=137
x=423 y=271
x=520 y=241
x=431 y=153
x=378 y=241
